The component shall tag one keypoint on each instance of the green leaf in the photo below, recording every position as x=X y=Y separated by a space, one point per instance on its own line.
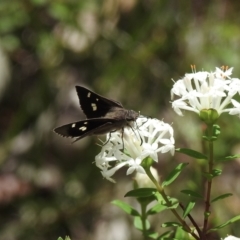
x=232 y=220
x=171 y=224
x=188 y=209
x=191 y=153
x=141 y=192
x=146 y=200
x=165 y=235
x=173 y=203
x=229 y=158
x=139 y=224
x=215 y=173
x=181 y=234
x=192 y=193
x=159 y=197
x=216 y=130
x=156 y=209
x=151 y=234
x=174 y=174
x=221 y=197
x=126 y=208
x=66 y=238
x=167 y=238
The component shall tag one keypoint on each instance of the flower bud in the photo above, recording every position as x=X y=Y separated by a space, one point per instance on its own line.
x=209 y=116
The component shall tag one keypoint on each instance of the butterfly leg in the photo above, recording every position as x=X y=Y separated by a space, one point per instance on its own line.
x=122 y=130
x=136 y=134
x=122 y=138
x=109 y=137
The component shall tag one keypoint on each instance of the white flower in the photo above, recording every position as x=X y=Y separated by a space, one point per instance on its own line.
x=231 y=238
x=146 y=138
x=206 y=90
x=235 y=110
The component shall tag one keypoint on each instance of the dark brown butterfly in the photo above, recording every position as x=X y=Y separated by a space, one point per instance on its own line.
x=103 y=116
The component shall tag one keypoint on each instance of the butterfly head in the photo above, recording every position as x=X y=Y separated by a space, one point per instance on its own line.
x=132 y=115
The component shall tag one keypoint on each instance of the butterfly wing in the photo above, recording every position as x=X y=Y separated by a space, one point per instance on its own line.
x=94 y=105
x=88 y=127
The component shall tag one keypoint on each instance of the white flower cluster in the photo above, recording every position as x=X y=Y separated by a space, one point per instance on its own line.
x=230 y=237
x=206 y=90
x=145 y=138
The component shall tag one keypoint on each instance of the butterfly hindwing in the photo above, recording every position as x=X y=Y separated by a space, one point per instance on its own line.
x=86 y=127
x=93 y=104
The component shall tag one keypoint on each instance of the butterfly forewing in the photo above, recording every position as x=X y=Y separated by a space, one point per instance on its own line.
x=94 y=105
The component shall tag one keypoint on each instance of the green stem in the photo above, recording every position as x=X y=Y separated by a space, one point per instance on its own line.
x=192 y=220
x=209 y=183
x=162 y=192
x=143 y=218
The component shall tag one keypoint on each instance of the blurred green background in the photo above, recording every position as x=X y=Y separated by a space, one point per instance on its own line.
x=127 y=50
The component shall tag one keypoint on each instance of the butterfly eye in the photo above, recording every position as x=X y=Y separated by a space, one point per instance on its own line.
x=131 y=115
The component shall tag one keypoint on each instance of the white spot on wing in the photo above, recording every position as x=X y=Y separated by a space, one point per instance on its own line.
x=97 y=99
x=83 y=128
x=94 y=106
x=89 y=94
x=73 y=125
x=85 y=123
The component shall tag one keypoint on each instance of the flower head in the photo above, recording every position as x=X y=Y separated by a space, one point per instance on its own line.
x=230 y=237
x=146 y=138
x=206 y=90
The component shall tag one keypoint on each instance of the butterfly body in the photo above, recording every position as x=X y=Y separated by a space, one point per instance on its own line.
x=103 y=116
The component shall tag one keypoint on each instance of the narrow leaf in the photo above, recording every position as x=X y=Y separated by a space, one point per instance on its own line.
x=66 y=238
x=188 y=209
x=192 y=153
x=192 y=193
x=171 y=224
x=165 y=235
x=139 y=224
x=174 y=174
x=232 y=220
x=151 y=234
x=156 y=209
x=126 y=208
x=221 y=197
x=167 y=238
x=159 y=197
x=141 y=192
x=216 y=130
x=229 y=158
x=173 y=203
x=215 y=173
x=181 y=234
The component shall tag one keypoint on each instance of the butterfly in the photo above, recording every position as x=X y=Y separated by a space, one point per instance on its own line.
x=103 y=116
